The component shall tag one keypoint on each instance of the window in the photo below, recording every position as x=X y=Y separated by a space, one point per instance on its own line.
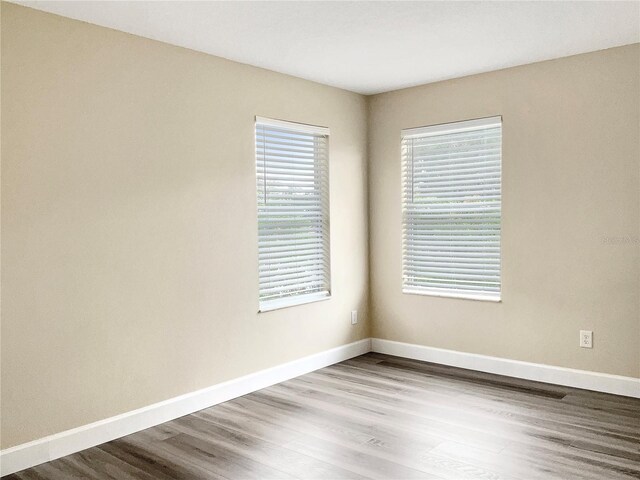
x=451 y=209
x=293 y=213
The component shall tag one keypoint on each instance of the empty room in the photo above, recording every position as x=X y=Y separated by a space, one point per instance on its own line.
x=320 y=240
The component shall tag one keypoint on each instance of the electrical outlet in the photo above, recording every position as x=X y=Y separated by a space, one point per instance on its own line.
x=354 y=317
x=586 y=338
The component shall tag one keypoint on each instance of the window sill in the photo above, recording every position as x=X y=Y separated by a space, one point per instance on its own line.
x=495 y=298
x=280 y=303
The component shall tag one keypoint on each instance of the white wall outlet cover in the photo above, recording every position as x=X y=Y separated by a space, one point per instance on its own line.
x=586 y=338
x=354 y=317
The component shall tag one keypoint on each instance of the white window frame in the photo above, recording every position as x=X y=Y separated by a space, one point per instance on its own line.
x=323 y=192
x=408 y=183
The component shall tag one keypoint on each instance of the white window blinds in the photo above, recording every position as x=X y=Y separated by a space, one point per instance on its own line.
x=451 y=209
x=293 y=213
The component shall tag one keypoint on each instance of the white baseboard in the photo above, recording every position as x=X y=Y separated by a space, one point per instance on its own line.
x=55 y=446
x=599 y=382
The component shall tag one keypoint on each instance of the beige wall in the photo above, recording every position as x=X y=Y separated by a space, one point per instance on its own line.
x=129 y=243
x=571 y=179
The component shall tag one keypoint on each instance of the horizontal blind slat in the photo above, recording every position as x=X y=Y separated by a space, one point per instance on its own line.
x=290 y=267
x=293 y=288
x=453 y=286
x=457 y=263
x=274 y=257
x=476 y=153
x=460 y=161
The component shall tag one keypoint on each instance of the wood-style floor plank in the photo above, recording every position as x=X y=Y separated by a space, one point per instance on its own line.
x=381 y=417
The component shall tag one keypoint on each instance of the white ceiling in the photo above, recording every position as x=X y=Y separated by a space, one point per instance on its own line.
x=371 y=47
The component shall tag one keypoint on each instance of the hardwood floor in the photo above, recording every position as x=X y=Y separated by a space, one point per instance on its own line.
x=381 y=417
